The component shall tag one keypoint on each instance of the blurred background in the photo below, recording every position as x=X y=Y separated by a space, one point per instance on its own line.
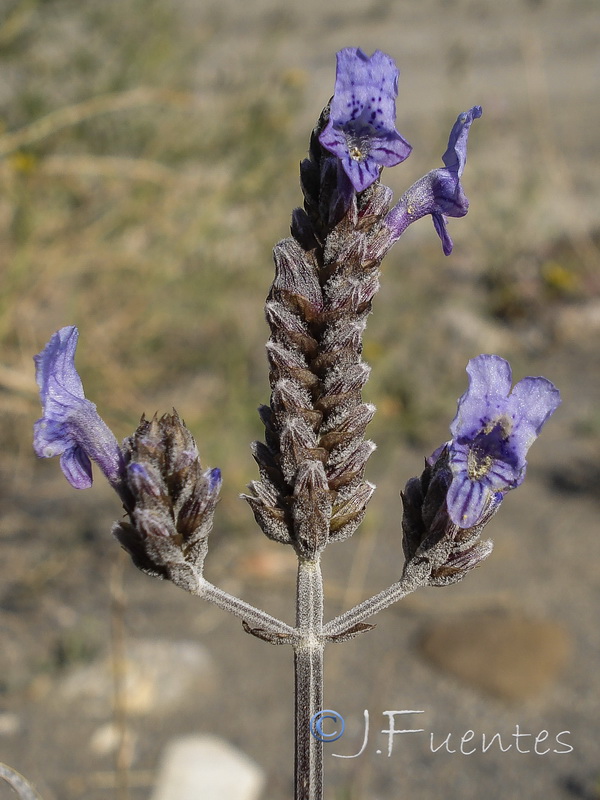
x=149 y=154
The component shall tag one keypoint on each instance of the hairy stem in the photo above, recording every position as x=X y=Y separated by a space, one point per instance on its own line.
x=308 y=666
x=410 y=580
x=252 y=616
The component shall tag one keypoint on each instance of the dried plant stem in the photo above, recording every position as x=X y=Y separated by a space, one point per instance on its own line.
x=22 y=787
x=78 y=112
x=308 y=666
x=110 y=167
x=118 y=599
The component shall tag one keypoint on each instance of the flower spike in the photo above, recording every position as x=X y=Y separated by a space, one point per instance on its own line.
x=361 y=130
x=70 y=426
x=171 y=501
x=430 y=535
x=493 y=429
x=440 y=192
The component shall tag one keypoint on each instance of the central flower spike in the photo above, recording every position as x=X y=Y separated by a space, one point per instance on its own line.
x=361 y=130
x=493 y=429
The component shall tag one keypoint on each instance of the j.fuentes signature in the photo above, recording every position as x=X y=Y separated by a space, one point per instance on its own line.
x=329 y=726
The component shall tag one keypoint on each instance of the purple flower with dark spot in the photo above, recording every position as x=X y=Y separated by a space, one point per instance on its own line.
x=361 y=130
x=440 y=192
x=493 y=429
x=70 y=426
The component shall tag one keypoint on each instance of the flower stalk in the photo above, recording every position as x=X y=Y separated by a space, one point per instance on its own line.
x=308 y=679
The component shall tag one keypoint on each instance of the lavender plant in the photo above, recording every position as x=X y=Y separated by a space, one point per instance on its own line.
x=311 y=490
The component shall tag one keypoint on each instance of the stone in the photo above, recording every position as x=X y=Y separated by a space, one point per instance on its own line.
x=159 y=677
x=207 y=767
x=109 y=738
x=502 y=654
x=9 y=724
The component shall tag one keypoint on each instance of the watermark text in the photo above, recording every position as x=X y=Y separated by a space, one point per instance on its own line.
x=329 y=726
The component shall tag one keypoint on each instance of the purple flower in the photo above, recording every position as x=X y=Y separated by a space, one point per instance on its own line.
x=361 y=130
x=438 y=193
x=70 y=426
x=214 y=480
x=493 y=429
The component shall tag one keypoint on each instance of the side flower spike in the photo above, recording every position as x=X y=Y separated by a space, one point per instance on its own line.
x=361 y=130
x=464 y=481
x=431 y=540
x=493 y=429
x=171 y=501
x=70 y=426
x=440 y=192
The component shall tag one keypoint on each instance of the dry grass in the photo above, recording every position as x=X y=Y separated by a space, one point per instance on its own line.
x=143 y=215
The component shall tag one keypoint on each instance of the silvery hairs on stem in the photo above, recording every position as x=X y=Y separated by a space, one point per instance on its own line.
x=312 y=489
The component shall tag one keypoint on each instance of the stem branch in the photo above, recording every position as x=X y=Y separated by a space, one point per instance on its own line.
x=411 y=579
x=254 y=617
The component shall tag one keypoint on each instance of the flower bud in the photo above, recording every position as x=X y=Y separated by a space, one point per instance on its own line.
x=170 y=501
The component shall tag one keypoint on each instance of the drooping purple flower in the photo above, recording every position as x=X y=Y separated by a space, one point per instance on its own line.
x=70 y=426
x=361 y=130
x=493 y=429
x=440 y=192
